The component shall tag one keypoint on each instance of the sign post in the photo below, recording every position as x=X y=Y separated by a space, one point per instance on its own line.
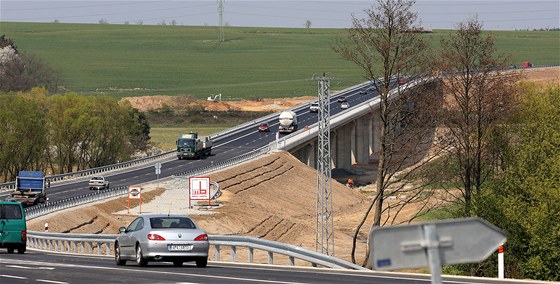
x=433 y=244
x=199 y=189
x=134 y=192
x=158 y=172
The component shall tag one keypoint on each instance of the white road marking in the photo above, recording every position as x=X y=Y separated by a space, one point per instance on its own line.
x=138 y=271
x=33 y=268
x=12 y=276
x=51 y=281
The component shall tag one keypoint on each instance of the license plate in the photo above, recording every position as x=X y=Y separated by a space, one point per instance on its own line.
x=180 y=247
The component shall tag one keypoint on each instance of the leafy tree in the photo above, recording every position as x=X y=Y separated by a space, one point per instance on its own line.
x=529 y=195
x=22 y=135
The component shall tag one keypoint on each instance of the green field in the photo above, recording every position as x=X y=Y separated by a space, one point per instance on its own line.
x=164 y=137
x=137 y=60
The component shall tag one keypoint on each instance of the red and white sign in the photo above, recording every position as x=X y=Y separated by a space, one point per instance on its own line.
x=199 y=188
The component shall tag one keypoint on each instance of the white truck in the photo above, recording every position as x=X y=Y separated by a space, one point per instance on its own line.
x=288 y=122
x=98 y=183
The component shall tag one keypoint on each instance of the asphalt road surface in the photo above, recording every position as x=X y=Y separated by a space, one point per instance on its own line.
x=41 y=267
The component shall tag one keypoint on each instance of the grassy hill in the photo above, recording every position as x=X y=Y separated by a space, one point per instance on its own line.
x=136 y=60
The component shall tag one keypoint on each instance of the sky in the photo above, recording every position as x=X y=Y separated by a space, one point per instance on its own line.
x=434 y=14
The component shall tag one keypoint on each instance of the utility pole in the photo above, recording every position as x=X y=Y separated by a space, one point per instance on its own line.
x=221 y=21
x=324 y=234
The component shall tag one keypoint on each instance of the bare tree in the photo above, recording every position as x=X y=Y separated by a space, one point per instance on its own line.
x=307 y=24
x=387 y=48
x=479 y=94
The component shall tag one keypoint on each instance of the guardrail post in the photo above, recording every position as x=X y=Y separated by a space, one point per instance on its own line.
x=292 y=261
x=217 y=252
x=109 y=249
x=250 y=255
x=233 y=253
x=270 y=257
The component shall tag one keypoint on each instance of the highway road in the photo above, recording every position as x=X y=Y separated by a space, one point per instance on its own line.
x=225 y=148
x=40 y=267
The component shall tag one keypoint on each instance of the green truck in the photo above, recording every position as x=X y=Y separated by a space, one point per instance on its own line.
x=13 y=230
x=189 y=146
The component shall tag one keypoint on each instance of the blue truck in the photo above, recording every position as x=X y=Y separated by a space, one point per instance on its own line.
x=30 y=188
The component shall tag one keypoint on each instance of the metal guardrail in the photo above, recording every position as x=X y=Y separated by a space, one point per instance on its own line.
x=88 y=172
x=68 y=176
x=51 y=207
x=103 y=245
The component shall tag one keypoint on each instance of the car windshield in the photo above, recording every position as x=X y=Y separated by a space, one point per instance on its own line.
x=96 y=178
x=185 y=142
x=264 y=125
x=171 y=223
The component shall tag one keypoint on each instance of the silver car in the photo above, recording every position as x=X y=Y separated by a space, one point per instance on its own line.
x=162 y=237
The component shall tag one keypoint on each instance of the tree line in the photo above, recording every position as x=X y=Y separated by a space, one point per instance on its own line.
x=64 y=133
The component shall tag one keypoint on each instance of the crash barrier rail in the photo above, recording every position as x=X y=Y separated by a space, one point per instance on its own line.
x=297 y=138
x=54 y=206
x=104 y=245
x=51 y=207
x=255 y=122
x=227 y=163
x=83 y=173
x=88 y=172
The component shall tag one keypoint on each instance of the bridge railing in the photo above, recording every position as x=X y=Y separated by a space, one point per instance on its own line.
x=104 y=245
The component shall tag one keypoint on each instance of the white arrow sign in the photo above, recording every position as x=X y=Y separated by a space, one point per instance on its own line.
x=433 y=244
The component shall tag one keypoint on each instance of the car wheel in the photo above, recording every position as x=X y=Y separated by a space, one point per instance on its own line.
x=21 y=249
x=140 y=260
x=118 y=259
x=10 y=250
x=202 y=262
x=177 y=263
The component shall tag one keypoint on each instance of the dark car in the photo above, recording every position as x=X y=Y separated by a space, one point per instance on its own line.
x=264 y=127
x=342 y=99
x=162 y=237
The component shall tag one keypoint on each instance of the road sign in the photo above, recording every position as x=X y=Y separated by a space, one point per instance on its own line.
x=158 y=168
x=135 y=192
x=199 y=188
x=427 y=244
